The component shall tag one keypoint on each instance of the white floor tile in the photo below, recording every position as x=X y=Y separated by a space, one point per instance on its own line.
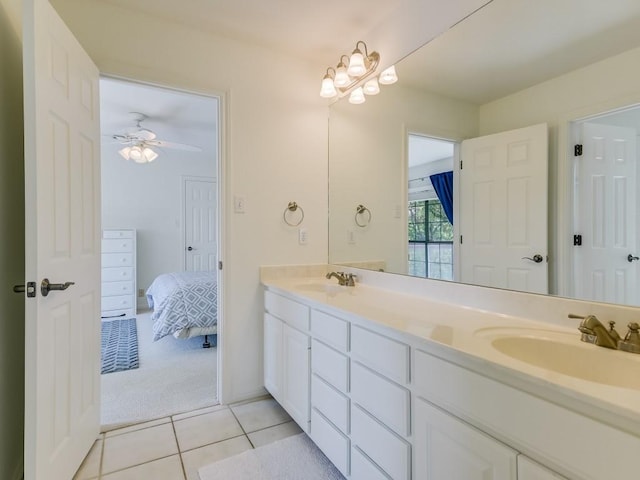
x=273 y=434
x=169 y=468
x=199 y=457
x=140 y=446
x=201 y=411
x=90 y=467
x=204 y=429
x=137 y=426
x=261 y=414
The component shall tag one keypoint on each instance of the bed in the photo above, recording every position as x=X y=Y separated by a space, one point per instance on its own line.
x=185 y=304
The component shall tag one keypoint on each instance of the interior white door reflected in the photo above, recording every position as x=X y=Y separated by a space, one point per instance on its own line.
x=503 y=205
x=200 y=225
x=62 y=217
x=605 y=215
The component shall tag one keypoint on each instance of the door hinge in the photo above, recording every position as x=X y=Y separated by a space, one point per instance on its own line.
x=220 y=265
x=460 y=164
x=460 y=239
x=577 y=240
x=577 y=150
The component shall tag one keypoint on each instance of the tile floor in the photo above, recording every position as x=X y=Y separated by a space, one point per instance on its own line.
x=174 y=448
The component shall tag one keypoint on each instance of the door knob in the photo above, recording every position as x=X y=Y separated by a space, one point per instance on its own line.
x=190 y=248
x=537 y=258
x=46 y=286
x=631 y=258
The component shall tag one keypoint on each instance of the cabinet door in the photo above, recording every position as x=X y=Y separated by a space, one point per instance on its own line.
x=273 y=356
x=446 y=448
x=296 y=363
x=530 y=470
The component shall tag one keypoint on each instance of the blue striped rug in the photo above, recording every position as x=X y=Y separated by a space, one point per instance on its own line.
x=119 y=345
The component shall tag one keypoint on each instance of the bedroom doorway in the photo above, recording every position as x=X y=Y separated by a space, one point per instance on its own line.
x=157 y=145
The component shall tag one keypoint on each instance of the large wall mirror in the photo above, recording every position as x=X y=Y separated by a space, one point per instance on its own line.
x=512 y=66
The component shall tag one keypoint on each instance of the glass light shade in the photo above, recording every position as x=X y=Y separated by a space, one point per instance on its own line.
x=356 y=64
x=135 y=154
x=372 y=87
x=357 y=96
x=342 y=77
x=125 y=152
x=149 y=155
x=388 y=76
x=328 y=89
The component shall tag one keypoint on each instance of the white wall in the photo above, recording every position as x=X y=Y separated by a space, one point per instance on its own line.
x=367 y=150
x=275 y=152
x=11 y=244
x=148 y=198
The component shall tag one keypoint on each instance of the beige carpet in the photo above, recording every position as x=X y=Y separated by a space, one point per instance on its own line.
x=293 y=458
x=174 y=376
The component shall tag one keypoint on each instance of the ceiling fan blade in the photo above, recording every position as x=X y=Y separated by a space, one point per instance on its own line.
x=174 y=145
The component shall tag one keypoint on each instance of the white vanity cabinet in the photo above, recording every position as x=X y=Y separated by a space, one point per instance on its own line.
x=118 y=273
x=287 y=356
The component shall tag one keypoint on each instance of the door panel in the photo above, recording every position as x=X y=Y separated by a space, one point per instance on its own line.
x=200 y=225
x=62 y=217
x=503 y=205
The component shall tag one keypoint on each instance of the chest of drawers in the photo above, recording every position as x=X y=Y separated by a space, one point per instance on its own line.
x=118 y=273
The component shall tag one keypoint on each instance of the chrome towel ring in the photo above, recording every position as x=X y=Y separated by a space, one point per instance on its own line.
x=362 y=211
x=293 y=207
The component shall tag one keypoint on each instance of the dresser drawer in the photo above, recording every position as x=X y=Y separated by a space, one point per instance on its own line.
x=382 y=446
x=294 y=313
x=117 y=245
x=330 y=329
x=362 y=468
x=385 y=400
x=330 y=365
x=117 y=260
x=110 y=289
x=117 y=234
x=331 y=403
x=385 y=356
x=332 y=443
x=116 y=274
x=117 y=302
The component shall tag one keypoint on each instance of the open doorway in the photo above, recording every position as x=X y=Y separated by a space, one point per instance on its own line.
x=430 y=207
x=160 y=154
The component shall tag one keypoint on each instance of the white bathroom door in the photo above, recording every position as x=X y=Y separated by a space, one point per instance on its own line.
x=62 y=225
x=200 y=225
x=605 y=206
x=503 y=205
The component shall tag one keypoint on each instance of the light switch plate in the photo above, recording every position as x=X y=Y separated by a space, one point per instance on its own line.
x=239 y=203
x=303 y=236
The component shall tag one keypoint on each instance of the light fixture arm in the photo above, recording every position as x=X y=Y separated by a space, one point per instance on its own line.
x=373 y=61
x=366 y=53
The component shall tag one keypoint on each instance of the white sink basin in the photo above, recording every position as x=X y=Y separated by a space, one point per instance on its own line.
x=564 y=353
x=324 y=287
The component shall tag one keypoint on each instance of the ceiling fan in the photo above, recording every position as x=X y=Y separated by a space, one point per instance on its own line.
x=139 y=142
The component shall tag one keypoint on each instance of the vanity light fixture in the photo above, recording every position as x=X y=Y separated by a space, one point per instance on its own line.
x=355 y=76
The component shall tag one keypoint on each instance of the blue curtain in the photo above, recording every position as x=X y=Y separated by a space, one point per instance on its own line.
x=443 y=185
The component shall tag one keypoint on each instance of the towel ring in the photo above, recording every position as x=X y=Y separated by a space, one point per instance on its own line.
x=293 y=207
x=361 y=210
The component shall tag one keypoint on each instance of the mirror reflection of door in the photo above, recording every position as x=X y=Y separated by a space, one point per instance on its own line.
x=605 y=206
x=430 y=207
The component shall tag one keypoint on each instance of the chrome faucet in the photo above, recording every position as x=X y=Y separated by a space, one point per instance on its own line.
x=344 y=279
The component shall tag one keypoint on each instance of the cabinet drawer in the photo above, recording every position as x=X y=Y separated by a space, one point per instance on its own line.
x=294 y=313
x=117 y=288
x=381 y=445
x=117 y=245
x=120 y=301
x=332 y=443
x=362 y=468
x=385 y=400
x=116 y=274
x=117 y=234
x=331 y=403
x=386 y=356
x=332 y=366
x=117 y=260
x=330 y=329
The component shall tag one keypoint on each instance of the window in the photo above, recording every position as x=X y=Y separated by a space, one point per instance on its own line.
x=430 y=241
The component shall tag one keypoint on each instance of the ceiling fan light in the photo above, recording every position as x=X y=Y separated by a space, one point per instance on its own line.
x=356 y=64
x=149 y=155
x=372 y=87
x=357 y=96
x=388 y=76
x=135 y=154
x=125 y=152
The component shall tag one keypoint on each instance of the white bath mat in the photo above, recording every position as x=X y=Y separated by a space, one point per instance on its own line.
x=294 y=458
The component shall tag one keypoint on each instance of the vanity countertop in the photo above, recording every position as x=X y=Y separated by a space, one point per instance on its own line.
x=466 y=336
